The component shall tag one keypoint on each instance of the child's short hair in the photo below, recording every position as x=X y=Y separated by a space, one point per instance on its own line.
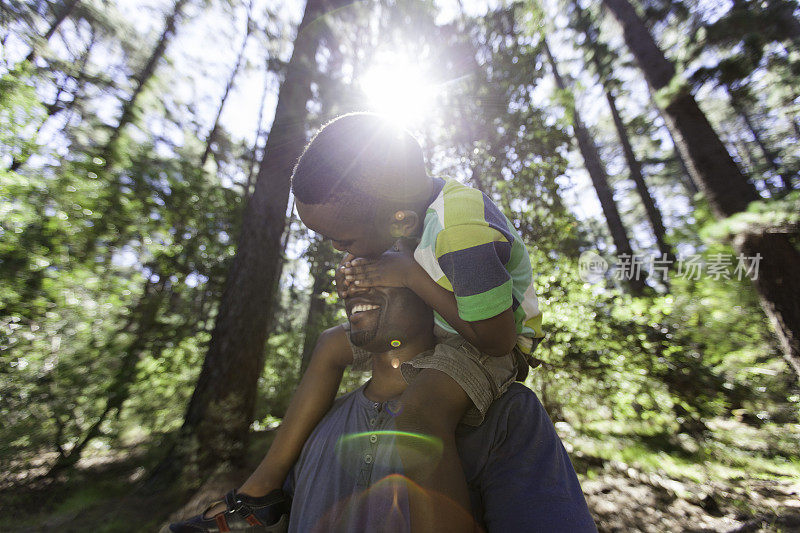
x=359 y=157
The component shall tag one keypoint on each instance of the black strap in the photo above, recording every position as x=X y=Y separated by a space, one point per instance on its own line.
x=236 y=505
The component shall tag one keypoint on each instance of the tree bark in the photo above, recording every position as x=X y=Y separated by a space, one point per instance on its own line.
x=599 y=179
x=108 y=154
x=709 y=163
x=686 y=178
x=778 y=286
x=272 y=325
x=744 y=152
x=221 y=409
x=722 y=182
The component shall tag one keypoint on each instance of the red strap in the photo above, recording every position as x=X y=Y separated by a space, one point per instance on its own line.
x=222 y=524
x=253 y=521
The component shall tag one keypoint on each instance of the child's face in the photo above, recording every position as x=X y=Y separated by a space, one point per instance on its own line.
x=347 y=232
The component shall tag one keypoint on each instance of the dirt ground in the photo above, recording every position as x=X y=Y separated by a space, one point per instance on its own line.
x=632 y=501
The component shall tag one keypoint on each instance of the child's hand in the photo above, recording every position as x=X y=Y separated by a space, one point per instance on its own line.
x=343 y=287
x=392 y=269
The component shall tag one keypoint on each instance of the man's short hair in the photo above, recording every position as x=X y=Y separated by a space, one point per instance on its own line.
x=359 y=157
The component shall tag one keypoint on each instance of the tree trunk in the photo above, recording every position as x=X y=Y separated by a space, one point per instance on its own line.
x=599 y=179
x=708 y=161
x=769 y=155
x=322 y=261
x=722 y=182
x=778 y=286
x=108 y=154
x=686 y=178
x=66 y=9
x=276 y=300
x=212 y=134
x=221 y=409
x=603 y=61
x=259 y=134
x=141 y=79
x=652 y=210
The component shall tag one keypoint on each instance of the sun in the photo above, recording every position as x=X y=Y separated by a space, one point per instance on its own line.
x=398 y=89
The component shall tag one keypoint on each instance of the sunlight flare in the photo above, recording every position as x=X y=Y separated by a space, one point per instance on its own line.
x=398 y=89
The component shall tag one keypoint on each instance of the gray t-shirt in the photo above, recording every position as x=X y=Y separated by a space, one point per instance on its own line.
x=519 y=475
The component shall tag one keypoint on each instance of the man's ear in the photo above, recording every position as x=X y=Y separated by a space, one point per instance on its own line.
x=405 y=223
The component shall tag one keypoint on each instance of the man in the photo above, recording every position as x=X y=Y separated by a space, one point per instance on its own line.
x=348 y=477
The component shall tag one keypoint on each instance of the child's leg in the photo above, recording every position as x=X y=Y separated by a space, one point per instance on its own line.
x=312 y=399
x=432 y=405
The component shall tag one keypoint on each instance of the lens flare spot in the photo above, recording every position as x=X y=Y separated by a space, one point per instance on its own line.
x=384 y=506
x=393 y=407
x=395 y=362
x=417 y=450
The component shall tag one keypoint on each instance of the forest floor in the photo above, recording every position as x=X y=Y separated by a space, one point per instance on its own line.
x=745 y=479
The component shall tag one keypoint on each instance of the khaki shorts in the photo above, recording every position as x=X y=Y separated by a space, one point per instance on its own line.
x=484 y=378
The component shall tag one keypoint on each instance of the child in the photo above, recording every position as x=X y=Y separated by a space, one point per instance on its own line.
x=362 y=183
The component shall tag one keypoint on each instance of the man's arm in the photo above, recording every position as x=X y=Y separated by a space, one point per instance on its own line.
x=309 y=404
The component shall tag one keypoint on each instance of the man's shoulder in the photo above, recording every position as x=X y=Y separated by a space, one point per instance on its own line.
x=513 y=422
x=518 y=398
x=519 y=408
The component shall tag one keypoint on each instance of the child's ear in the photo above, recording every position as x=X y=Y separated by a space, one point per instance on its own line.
x=404 y=223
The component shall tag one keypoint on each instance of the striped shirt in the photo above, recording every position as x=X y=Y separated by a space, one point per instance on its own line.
x=469 y=247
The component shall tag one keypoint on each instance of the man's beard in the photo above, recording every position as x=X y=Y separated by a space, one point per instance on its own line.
x=363 y=337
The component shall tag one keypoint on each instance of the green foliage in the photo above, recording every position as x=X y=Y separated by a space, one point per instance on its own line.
x=676 y=87
x=281 y=372
x=781 y=215
x=20 y=111
x=109 y=284
x=701 y=351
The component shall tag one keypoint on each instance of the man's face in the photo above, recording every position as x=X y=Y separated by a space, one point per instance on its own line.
x=347 y=232
x=380 y=315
